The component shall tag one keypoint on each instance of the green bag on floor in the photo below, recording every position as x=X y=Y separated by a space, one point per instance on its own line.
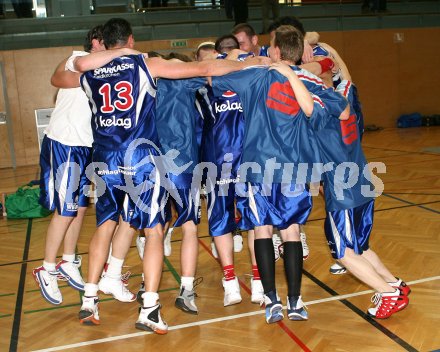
x=23 y=204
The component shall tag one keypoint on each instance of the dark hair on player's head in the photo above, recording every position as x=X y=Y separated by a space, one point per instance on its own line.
x=178 y=56
x=292 y=21
x=291 y=43
x=116 y=32
x=244 y=27
x=154 y=54
x=273 y=26
x=94 y=33
x=226 y=43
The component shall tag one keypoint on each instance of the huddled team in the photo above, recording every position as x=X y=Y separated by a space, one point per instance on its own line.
x=150 y=131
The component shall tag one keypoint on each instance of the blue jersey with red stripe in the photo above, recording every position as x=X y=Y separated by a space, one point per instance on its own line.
x=122 y=98
x=275 y=125
x=318 y=50
x=340 y=143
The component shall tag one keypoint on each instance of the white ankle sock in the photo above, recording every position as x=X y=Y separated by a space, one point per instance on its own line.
x=49 y=267
x=395 y=283
x=69 y=257
x=114 y=269
x=150 y=298
x=90 y=290
x=187 y=282
x=395 y=293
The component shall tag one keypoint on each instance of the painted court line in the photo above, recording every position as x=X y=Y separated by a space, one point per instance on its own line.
x=20 y=292
x=411 y=203
x=216 y=320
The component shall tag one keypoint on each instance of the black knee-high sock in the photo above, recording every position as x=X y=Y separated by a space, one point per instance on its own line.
x=266 y=262
x=293 y=265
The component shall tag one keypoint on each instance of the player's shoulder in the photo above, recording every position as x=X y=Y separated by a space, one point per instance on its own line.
x=78 y=53
x=307 y=76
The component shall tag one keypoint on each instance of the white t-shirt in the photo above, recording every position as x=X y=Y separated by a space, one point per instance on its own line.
x=70 y=122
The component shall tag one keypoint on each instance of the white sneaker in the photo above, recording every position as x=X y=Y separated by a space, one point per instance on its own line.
x=238 y=241
x=257 y=291
x=116 y=288
x=151 y=320
x=48 y=285
x=232 y=292
x=214 y=250
x=303 y=237
x=89 y=314
x=277 y=244
x=185 y=301
x=167 y=242
x=337 y=269
x=70 y=272
x=140 y=245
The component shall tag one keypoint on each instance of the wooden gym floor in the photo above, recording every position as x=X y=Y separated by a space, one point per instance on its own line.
x=406 y=235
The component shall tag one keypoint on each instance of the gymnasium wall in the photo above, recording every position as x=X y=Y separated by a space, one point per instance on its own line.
x=392 y=77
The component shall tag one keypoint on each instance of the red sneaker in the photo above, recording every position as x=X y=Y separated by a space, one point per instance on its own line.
x=387 y=304
x=402 y=286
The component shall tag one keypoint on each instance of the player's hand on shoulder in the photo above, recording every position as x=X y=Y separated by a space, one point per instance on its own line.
x=308 y=53
x=234 y=53
x=282 y=68
x=258 y=60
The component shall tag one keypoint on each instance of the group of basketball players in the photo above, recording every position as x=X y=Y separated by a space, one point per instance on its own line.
x=150 y=130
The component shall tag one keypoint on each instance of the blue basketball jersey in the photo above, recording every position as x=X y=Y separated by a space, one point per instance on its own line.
x=224 y=130
x=264 y=51
x=318 y=50
x=357 y=107
x=339 y=142
x=178 y=118
x=275 y=125
x=355 y=103
x=122 y=98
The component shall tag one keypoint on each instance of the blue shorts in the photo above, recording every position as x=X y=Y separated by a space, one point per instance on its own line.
x=221 y=211
x=277 y=204
x=63 y=178
x=189 y=207
x=129 y=190
x=349 y=228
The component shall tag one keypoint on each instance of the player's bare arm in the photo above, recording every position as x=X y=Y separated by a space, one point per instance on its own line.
x=98 y=59
x=160 y=68
x=63 y=78
x=310 y=39
x=338 y=60
x=323 y=68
